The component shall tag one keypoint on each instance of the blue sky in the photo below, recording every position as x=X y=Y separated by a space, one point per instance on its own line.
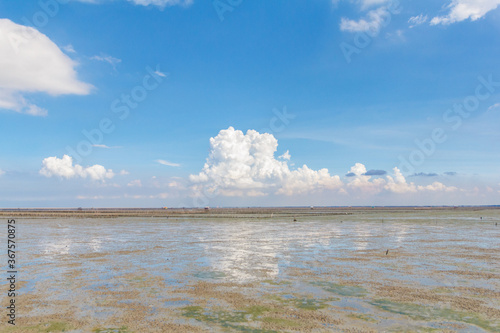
x=336 y=95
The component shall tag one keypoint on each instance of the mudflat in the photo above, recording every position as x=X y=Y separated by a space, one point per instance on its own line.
x=256 y=270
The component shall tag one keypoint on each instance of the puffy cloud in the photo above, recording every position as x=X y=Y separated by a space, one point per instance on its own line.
x=417 y=20
x=461 y=10
x=305 y=180
x=358 y=169
x=244 y=164
x=30 y=63
x=363 y=182
x=64 y=168
x=286 y=156
x=398 y=183
x=373 y=21
x=167 y=163
x=2 y=172
x=437 y=186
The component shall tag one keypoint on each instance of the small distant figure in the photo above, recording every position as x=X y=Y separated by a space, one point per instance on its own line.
x=294 y=219
x=387 y=252
x=481 y=217
x=496 y=223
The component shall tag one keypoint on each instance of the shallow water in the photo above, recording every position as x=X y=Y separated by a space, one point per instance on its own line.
x=317 y=257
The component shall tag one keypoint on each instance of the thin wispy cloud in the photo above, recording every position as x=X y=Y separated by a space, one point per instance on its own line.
x=375 y=173
x=494 y=107
x=105 y=146
x=370 y=3
x=69 y=48
x=157 y=72
x=417 y=20
x=108 y=59
x=423 y=174
x=162 y=3
x=135 y=183
x=167 y=163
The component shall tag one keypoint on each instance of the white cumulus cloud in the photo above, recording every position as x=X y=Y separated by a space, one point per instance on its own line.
x=398 y=183
x=30 y=62
x=365 y=184
x=286 y=156
x=460 y=10
x=244 y=164
x=64 y=168
x=437 y=186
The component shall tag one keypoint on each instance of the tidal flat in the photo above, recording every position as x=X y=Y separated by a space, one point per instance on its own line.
x=256 y=270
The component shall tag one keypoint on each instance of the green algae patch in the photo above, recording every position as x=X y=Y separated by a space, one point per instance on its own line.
x=228 y=319
x=420 y=312
x=52 y=326
x=199 y=314
x=277 y=283
x=363 y=317
x=309 y=303
x=416 y=329
x=282 y=323
x=56 y=327
x=304 y=302
x=256 y=311
x=342 y=290
x=443 y=290
x=122 y=329
x=209 y=275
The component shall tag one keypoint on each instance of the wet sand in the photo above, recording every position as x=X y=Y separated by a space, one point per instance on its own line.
x=257 y=270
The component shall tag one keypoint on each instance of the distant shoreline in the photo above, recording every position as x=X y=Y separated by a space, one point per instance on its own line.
x=248 y=212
